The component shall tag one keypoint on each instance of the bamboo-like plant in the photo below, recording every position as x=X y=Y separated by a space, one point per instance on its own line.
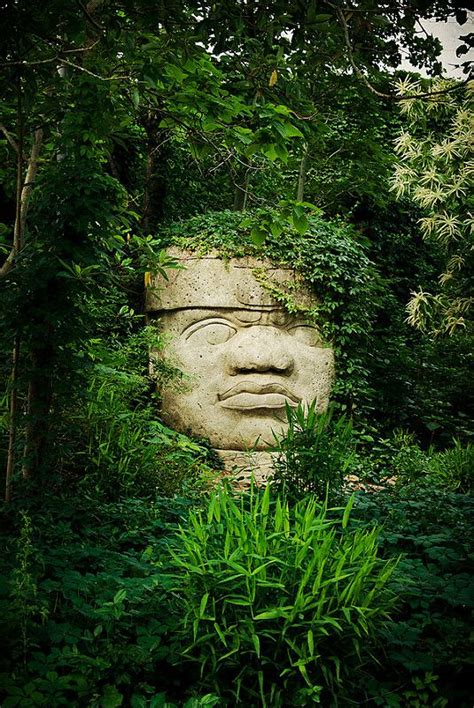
x=314 y=455
x=279 y=604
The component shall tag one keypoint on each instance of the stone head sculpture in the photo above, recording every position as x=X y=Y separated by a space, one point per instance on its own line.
x=244 y=354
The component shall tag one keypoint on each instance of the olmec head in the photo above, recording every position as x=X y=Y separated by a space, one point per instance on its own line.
x=244 y=355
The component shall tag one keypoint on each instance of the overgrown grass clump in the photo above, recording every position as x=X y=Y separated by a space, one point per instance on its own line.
x=279 y=603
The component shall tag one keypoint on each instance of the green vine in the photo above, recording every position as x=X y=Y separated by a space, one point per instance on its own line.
x=331 y=260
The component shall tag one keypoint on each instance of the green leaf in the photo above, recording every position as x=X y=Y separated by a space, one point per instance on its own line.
x=288 y=130
x=111 y=697
x=119 y=596
x=256 y=643
x=300 y=222
x=347 y=511
x=258 y=236
x=310 y=638
x=323 y=17
x=270 y=152
x=135 y=97
x=203 y=605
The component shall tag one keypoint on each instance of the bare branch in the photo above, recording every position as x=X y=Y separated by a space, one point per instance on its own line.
x=9 y=137
x=91 y=73
x=80 y=49
x=360 y=74
x=25 y=63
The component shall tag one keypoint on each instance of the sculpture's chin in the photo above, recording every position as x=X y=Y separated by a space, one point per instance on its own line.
x=257 y=437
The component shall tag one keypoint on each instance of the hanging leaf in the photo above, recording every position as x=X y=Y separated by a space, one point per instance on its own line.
x=135 y=97
x=258 y=236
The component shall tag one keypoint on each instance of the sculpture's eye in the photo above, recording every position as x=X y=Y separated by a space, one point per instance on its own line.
x=306 y=334
x=211 y=332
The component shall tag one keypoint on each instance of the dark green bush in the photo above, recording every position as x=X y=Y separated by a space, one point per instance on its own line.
x=427 y=656
x=84 y=613
x=112 y=441
x=451 y=470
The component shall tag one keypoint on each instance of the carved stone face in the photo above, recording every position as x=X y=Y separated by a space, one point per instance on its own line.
x=244 y=356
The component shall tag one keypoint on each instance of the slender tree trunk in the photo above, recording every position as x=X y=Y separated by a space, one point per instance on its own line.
x=241 y=190
x=155 y=175
x=17 y=244
x=40 y=384
x=27 y=189
x=150 y=164
x=13 y=410
x=38 y=408
x=302 y=175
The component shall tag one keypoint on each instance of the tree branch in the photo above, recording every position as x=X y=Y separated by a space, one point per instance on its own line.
x=22 y=210
x=91 y=73
x=89 y=10
x=8 y=137
x=360 y=74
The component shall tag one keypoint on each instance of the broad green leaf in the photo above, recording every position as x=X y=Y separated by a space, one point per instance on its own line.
x=258 y=236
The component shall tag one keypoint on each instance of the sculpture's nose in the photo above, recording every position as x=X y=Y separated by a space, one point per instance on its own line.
x=260 y=349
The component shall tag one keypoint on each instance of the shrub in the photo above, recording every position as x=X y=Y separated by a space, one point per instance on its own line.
x=452 y=470
x=278 y=603
x=314 y=455
x=84 y=618
x=429 y=638
x=115 y=443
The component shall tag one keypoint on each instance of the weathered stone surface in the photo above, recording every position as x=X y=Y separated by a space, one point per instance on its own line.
x=243 y=467
x=208 y=281
x=244 y=355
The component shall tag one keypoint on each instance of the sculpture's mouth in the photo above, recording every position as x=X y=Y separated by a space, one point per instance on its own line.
x=249 y=395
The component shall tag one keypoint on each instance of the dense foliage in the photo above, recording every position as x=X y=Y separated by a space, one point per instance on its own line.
x=279 y=603
x=127 y=577
x=89 y=613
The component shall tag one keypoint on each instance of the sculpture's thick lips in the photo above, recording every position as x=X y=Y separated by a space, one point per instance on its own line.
x=249 y=395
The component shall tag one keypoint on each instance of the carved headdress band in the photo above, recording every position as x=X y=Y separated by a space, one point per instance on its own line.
x=209 y=282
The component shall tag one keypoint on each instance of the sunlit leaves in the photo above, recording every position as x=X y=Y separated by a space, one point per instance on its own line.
x=435 y=170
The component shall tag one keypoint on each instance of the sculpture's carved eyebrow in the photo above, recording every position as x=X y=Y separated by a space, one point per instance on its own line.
x=196 y=315
x=240 y=316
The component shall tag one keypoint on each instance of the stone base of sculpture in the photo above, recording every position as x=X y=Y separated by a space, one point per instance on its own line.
x=243 y=466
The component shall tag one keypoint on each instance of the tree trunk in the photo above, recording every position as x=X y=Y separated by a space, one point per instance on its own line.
x=38 y=408
x=241 y=190
x=155 y=175
x=12 y=428
x=302 y=175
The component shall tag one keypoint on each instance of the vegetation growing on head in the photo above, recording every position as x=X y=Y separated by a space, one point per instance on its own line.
x=329 y=256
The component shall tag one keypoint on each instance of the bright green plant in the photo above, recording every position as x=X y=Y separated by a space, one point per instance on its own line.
x=314 y=455
x=119 y=446
x=453 y=469
x=278 y=602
